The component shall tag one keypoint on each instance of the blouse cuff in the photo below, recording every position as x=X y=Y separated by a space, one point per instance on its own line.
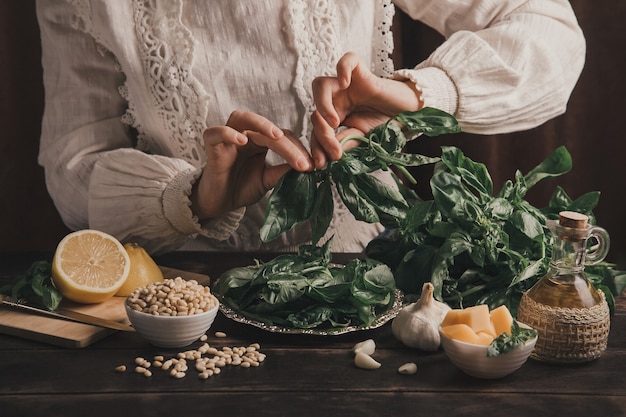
x=436 y=88
x=182 y=218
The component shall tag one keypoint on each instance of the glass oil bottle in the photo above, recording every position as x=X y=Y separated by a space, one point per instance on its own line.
x=570 y=315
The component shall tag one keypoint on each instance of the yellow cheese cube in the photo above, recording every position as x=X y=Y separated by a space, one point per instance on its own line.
x=484 y=338
x=452 y=317
x=477 y=317
x=502 y=320
x=460 y=332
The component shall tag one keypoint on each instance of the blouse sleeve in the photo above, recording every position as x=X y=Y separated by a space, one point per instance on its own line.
x=93 y=174
x=505 y=66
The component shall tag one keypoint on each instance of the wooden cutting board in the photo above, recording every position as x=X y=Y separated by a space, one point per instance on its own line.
x=70 y=334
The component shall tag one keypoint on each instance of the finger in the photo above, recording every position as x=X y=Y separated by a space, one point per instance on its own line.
x=324 y=143
x=216 y=135
x=346 y=64
x=324 y=89
x=273 y=174
x=317 y=153
x=288 y=147
x=242 y=120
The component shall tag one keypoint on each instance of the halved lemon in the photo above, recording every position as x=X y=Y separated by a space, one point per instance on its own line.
x=89 y=266
x=143 y=270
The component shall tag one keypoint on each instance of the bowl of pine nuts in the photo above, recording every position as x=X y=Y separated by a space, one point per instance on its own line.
x=172 y=313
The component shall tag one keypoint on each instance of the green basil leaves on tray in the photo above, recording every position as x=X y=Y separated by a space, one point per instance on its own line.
x=305 y=291
x=302 y=196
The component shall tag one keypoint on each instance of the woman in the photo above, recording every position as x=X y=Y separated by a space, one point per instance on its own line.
x=159 y=114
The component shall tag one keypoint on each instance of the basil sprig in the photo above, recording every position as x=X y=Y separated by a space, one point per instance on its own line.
x=302 y=196
x=506 y=342
x=35 y=286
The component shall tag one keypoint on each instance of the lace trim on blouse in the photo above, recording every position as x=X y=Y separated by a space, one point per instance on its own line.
x=382 y=64
x=167 y=53
x=167 y=49
x=312 y=31
x=314 y=38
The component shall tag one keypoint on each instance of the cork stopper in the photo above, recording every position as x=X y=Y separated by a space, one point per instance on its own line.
x=573 y=219
x=575 y=225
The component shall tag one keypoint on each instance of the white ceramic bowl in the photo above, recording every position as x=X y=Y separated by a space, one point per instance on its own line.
x=171 y=331
x=473 y=360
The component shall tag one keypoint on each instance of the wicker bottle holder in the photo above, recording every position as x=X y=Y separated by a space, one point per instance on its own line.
x=567 y=335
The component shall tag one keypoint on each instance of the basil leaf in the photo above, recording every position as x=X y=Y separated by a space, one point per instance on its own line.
x=323 y=211
x=351 y=196
x=291 y=202
x=508 y=342
x=557 y=163
x=310 y=317
x=475 y=174
x=429 y=121
x=449 y=192
x=384 y=198
x=408 y=160
x=528 y=224
x=51 y=298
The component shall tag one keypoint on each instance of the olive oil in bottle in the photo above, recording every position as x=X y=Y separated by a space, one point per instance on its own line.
x=570 y=315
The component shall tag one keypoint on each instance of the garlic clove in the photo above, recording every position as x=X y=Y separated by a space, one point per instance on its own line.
x=367 y=346
x=365 y=361
x=409 y=368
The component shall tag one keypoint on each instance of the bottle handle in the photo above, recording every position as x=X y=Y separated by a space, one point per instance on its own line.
x=599 y=251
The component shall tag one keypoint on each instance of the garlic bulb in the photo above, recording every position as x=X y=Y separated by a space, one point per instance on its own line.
x=417 y=325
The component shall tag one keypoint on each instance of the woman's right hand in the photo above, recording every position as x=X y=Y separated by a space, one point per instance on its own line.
x=356 y=99
x=236 y=174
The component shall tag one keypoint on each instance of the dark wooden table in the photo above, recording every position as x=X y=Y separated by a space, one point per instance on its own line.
x=301 y=376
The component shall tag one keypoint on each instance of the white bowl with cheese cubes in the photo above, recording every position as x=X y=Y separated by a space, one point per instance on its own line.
x=466 y=335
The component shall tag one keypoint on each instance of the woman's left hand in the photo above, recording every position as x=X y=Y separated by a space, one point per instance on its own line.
x=357 y=99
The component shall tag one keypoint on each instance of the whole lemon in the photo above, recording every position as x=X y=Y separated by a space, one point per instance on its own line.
x=143 y=270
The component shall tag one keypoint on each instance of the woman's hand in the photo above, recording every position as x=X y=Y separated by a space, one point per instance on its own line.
x=235 y=174
x=356 y=99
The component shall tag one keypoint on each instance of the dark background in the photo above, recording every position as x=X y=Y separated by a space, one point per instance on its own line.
x=591 y=129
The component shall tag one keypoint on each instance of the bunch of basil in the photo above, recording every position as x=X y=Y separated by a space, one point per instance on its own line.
x=477 y=247
x=302 y=196
x=305 y=291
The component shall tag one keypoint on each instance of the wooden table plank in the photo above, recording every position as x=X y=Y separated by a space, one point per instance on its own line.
x=314 y=404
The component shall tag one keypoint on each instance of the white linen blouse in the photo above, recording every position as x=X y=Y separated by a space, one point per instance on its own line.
x=130 y=86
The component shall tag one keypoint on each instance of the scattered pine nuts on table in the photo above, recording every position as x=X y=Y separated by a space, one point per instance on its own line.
x=208 y=361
